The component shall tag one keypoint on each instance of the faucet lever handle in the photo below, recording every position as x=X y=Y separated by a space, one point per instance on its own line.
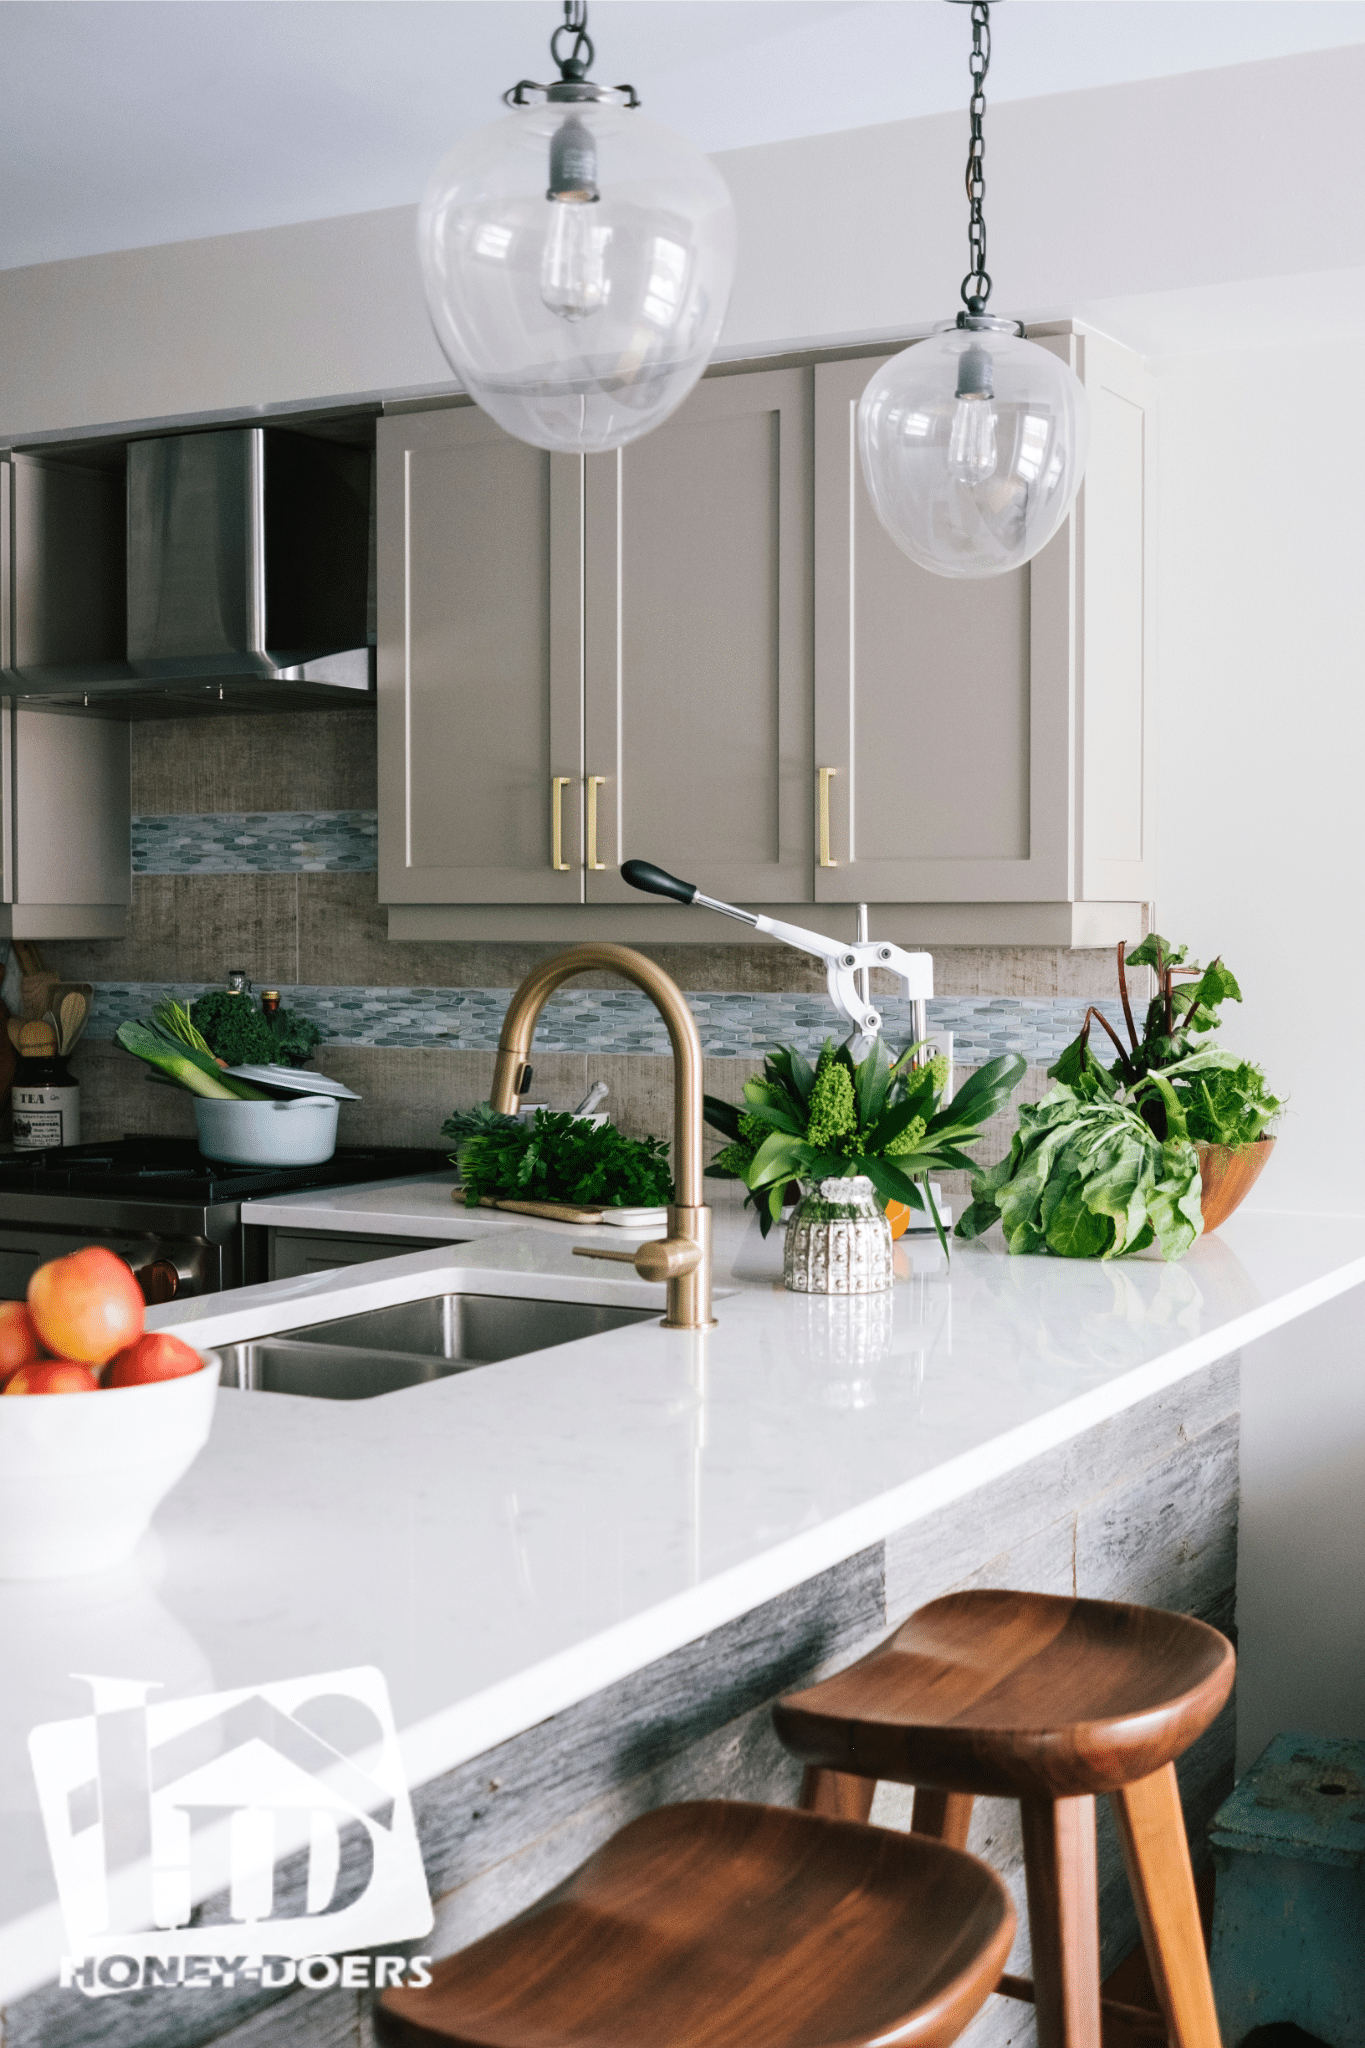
x=658 y=1258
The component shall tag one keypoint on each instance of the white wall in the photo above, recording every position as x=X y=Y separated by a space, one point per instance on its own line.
x=1261 y=747
x=1301 y=1539
x=1261 y=857
x=1158 y=187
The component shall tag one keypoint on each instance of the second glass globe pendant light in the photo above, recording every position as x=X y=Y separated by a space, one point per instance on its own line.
x=973 y=442
x=577 y=259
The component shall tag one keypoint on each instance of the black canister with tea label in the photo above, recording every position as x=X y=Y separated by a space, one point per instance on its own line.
x=46 y=1104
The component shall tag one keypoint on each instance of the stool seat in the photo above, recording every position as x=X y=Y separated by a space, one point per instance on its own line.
x=725 y=1925
x=1017 y=1694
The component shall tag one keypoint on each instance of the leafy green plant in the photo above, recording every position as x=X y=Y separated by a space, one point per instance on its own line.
x=884 y=1118
x=560 y=1158
x=1230 y=1106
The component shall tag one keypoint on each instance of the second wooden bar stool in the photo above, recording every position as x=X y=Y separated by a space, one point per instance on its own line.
x=1048 y=1701
x=723 y=1925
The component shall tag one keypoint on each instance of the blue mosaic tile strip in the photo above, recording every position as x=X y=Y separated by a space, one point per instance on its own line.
x=622 y=1020
x=256 y=843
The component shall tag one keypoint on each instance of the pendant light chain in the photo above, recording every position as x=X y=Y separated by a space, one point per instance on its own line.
x=976 y=285
x=575 y=23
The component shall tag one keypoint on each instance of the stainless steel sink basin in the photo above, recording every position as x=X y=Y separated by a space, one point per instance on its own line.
x=357 y=1357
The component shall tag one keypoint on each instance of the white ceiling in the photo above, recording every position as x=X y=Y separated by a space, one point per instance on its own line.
x=131 y=122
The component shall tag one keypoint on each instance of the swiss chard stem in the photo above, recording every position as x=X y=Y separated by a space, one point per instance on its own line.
x=1127 y=1006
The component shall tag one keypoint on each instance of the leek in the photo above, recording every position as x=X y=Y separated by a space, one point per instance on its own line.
x=184 y=1064
x=175 y=1018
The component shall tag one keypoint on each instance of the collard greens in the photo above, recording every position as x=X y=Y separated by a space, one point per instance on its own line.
x=1088 y=1179
x=1087 y=1176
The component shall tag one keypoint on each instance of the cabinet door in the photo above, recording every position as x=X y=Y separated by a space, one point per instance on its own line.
x=942 y=707
x=698 y=650
x=480 y=663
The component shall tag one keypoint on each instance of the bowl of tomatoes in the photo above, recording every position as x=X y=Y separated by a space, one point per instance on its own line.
x=99 y=1417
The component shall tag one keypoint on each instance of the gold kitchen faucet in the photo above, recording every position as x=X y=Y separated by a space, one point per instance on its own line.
x=682 y=1259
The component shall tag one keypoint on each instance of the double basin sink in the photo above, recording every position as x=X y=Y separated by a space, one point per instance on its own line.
x=383 y=1349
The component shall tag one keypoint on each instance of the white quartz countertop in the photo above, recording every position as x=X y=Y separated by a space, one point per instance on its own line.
x=504 y=1542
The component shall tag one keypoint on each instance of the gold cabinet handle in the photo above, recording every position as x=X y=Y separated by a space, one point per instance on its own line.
x=558 y=785
x=594 y=783
x=825 y=860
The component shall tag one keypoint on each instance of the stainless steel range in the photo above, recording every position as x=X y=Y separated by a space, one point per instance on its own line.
x=175 y=1216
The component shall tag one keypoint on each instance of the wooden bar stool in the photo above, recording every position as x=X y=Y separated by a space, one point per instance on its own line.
x=724 y=1925
x=1047 y=1701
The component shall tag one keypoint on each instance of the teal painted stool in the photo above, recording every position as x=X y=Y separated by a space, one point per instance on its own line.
x=1289 y=1909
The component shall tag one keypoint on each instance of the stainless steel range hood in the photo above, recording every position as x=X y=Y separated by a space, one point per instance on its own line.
x=248 y=570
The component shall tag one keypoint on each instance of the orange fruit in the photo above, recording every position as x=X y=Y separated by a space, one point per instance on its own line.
x=898 y=1216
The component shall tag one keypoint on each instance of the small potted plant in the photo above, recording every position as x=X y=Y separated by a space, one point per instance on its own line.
x=881 y=1119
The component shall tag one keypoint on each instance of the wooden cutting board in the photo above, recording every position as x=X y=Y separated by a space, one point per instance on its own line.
x=558 y=1212
x=555 y=1211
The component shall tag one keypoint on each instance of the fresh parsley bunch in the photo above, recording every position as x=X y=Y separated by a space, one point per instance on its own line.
x=561 y=1158
x=882 y=1117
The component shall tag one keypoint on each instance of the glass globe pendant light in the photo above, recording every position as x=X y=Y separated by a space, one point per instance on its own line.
x=973 y=442
x=577 y=259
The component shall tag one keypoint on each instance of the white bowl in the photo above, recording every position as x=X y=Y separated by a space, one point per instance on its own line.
x=300 y=1132
x=81 y=1475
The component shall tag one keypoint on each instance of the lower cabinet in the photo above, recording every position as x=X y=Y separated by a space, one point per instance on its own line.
x=292 y=1253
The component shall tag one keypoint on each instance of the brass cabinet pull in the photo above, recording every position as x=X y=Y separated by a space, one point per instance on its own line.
x=558 y=785
x=825 y=860
x=594 y=782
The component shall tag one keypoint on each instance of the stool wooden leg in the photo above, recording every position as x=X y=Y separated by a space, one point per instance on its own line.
x=947 y=1816
x=1152 y=1829
x=837 y=1793
x=1064 y=1919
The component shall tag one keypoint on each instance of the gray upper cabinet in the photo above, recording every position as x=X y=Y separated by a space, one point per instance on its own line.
x=988 y=742
x=704 y=650
x=698 y=645
x=480 y=664
x=65 y=789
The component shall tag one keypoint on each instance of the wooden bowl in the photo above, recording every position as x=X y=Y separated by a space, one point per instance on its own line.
x=1227 y=1174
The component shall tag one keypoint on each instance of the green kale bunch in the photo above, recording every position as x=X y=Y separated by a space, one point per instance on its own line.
x=883 y=1118
x=560 y=1158
x=236 y=1032
x=234 y=1029
x=295 y=1038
